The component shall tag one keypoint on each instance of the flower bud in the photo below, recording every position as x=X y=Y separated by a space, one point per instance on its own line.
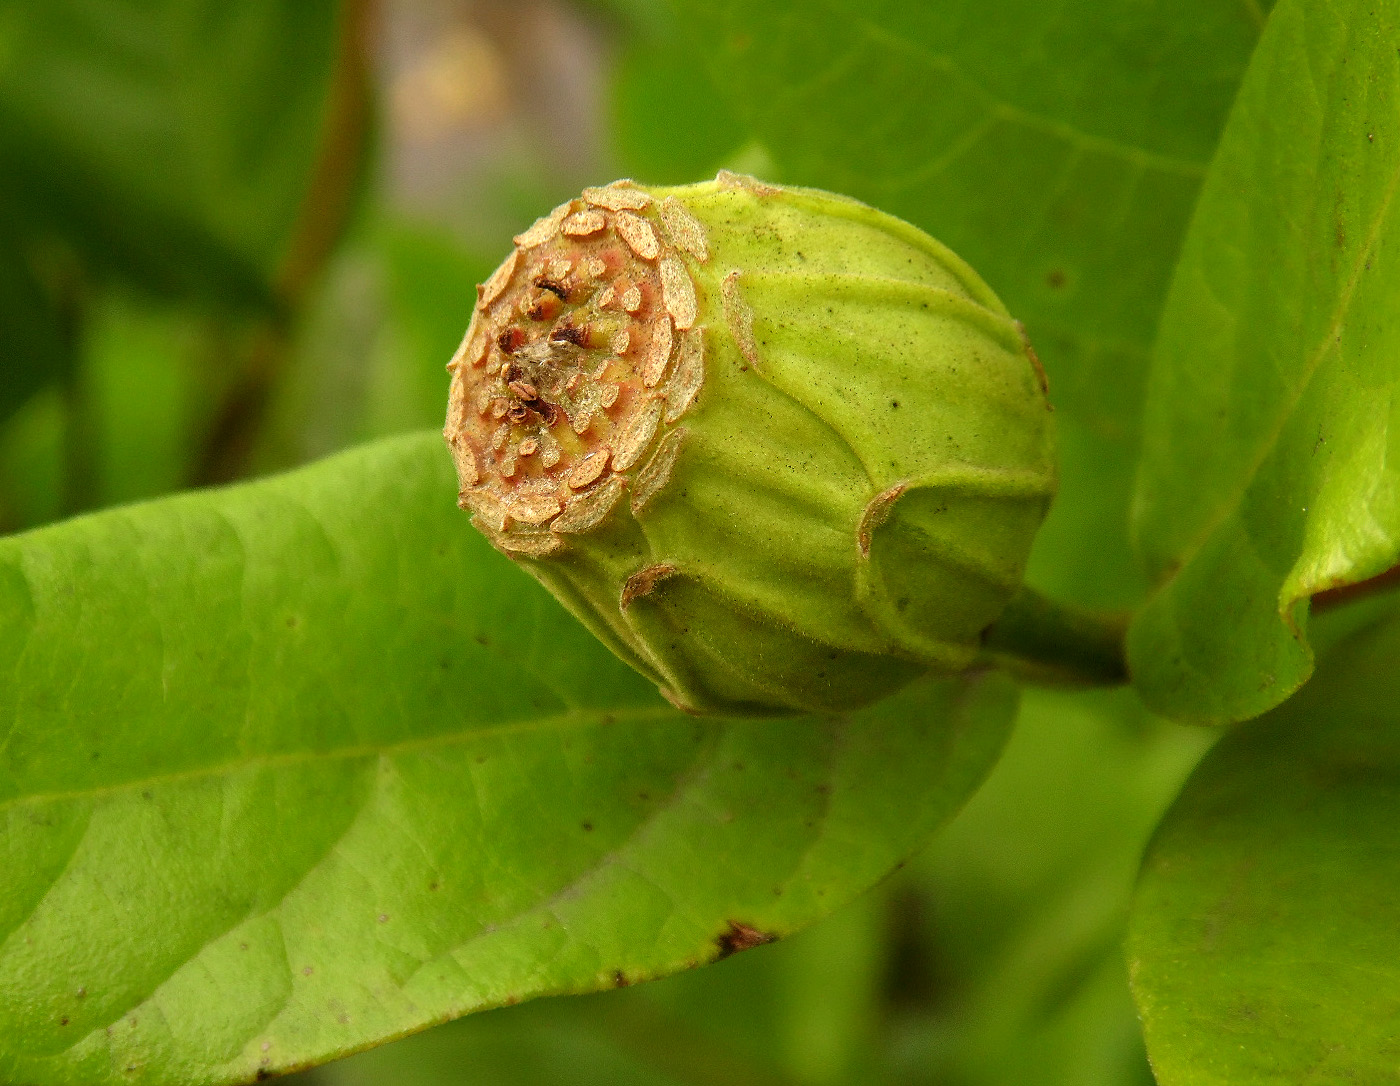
x=779 y=450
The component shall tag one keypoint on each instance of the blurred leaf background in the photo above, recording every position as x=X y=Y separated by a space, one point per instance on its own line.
x=238 y=237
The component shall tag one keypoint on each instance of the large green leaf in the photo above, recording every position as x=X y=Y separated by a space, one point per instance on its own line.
x=1264 y=943
x=290 y=769
x=993 y=958
x=1058 y=146
x=1269 y=467
x=174 y=140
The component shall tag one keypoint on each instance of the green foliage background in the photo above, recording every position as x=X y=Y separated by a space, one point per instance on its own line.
x=297 y=767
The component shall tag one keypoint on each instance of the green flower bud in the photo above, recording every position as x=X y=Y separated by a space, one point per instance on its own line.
x=779 y=450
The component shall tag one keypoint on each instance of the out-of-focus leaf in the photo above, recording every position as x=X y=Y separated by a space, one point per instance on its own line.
x=140 y=368
x=1057 y=146
x=1264 y=943
x=173 y=141
x=668 y=124
x=36 y=346
x=32 y=456
x=1017 y=973
x=1269 y=467
x=429 y=290
x=294 y=768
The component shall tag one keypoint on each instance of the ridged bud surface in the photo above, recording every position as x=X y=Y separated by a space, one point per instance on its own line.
x=781 y=451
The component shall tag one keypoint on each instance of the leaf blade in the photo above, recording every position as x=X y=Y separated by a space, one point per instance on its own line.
x=320 y=834
x=1260 y=944
x=1264 y=477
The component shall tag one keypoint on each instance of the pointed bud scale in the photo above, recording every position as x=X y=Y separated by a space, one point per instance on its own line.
x=781 y=451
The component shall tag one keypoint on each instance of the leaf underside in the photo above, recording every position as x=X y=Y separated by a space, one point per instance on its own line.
x=294 y=768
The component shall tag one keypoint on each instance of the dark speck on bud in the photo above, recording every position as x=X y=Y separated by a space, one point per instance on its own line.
x=782 y=452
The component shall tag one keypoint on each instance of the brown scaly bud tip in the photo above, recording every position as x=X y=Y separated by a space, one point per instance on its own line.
x=579 y=357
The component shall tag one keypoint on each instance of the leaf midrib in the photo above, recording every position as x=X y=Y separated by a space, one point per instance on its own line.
x=573 y=718
x=1230 y=504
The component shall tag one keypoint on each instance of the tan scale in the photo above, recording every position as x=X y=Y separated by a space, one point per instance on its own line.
x=577 y=364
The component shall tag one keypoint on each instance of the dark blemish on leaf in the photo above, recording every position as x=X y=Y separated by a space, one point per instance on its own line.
x=343 y=1018
x=383 y=918
x=588 y=827
x=432 y=885
x=146 y=794
x=307 y=971
x=63 y=1021
x=1341 y=236
x=620 y=979
x=263 y=1073
x=293 y=622
x=242 y=946
x=894 y=404
x=83 y=991
x=482 y=639
x=741 y=937
x=481 y=759
x=1056 y=278
x=512 y=1000
x=643 y=796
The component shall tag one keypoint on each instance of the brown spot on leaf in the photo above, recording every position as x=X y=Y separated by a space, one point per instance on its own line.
x=741 y=937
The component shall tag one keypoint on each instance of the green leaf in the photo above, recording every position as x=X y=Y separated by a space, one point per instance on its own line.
x=993 y=958
x=668 y=125
x=36 y=342
x=1269 y=470
x=1263 y=944
x=1025 y=899
x=1058 y=147
x=173 y=141
x=290 y=769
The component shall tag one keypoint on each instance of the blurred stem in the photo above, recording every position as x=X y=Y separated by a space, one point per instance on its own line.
x=1058 y=644
x=330 y=199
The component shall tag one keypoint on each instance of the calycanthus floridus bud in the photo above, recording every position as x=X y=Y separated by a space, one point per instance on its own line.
x=779 y=450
